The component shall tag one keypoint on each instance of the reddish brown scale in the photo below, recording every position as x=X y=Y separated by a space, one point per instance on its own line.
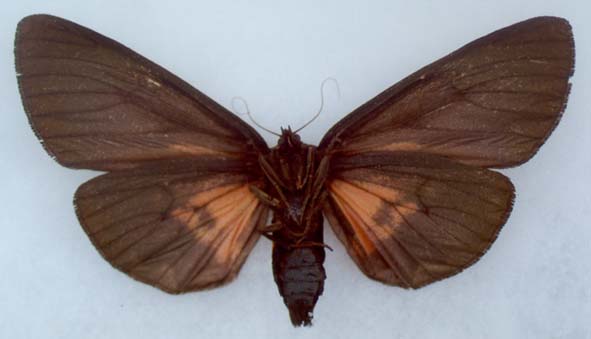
x=294 y=182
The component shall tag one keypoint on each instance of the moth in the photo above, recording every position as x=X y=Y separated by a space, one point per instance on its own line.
x=405 y=180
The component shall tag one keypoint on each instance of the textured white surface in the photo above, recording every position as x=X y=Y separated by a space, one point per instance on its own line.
x=535 y=282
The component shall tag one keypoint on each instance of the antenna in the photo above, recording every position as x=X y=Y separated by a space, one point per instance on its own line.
x=250 y=116
x=321 y=101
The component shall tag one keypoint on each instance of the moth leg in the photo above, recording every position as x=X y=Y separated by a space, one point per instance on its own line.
x=273 y=177
x=264 y=197
x=321 y=173
x=276 y=240
x=269 y=236
x=284 y=168
x=315 y=187
x=304 y=177
x=308 y=221
x=270 y=172
x=276 y=226
x=316 y=207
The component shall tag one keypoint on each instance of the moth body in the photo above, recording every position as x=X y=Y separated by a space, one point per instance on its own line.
x=294 y=180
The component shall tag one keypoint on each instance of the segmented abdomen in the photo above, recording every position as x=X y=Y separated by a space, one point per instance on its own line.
x=299 y=275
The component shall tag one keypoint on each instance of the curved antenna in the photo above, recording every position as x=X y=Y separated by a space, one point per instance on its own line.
x=250 y=116
x=336 y=83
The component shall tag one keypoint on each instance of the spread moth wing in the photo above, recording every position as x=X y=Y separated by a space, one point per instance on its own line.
x=409 y=219
x=176 y=211
x=492 y=103
x=180 y=230
x=409 y=192
x=96 y=104
x=176 y=226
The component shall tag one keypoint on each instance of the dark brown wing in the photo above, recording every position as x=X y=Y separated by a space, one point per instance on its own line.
x=177 y=229
x=96 y=104
x=408 y=194
x=177 y=213
x=410 y=219
x=492 y=103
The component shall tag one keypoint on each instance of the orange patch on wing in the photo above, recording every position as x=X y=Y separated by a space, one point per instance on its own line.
x=364 y=204
x=195 y=149
x=363 y=209
x=205 y=197
x=221 y=223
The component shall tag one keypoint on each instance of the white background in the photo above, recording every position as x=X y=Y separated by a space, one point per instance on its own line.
x=535 y=282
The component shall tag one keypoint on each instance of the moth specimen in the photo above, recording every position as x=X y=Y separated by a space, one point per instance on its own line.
x=403 y=180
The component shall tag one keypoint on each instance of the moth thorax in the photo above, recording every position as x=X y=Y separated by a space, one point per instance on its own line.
x=291 y=160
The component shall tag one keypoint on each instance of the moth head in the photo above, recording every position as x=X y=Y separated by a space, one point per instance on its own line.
x=289 y=139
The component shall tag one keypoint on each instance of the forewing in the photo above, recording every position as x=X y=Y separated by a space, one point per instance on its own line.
x=492 y=103
x=179 y=230
x=96 y=104
x=409 y=219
